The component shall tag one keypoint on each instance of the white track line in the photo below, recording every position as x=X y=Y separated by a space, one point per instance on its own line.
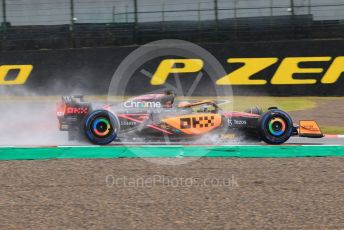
x=165 y=146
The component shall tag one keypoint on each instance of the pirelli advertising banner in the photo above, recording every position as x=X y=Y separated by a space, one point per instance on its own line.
x=312 y=68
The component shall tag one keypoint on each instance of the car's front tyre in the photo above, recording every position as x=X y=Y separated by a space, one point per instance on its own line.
x=275 y=127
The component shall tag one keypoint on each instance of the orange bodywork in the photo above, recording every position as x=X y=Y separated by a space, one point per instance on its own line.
x=309 y=129
x=195 y=123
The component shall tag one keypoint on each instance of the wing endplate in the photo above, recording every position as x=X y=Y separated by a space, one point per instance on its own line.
x=310 y=129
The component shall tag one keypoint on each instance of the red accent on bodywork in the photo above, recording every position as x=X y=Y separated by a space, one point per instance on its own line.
x=129 y=118
x=107 y=107
x=77 y=110
x=240 y=114
x=159 y=129
x=147 y=97
x=138 y=121
x=144 y=117
x=61 y=108
x=139 y=117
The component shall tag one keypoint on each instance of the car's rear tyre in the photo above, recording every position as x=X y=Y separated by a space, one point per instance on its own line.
x=275 y=127
x=101 y=127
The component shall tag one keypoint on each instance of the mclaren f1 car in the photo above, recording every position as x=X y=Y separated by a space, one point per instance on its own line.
x=155 y=117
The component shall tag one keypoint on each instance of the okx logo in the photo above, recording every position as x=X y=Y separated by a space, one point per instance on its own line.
x=197 y=122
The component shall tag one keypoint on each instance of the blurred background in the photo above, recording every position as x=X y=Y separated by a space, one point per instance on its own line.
x=45 y=24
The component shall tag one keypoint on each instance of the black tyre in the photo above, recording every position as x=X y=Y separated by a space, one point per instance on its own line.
x=101 y=127
x=275 y=127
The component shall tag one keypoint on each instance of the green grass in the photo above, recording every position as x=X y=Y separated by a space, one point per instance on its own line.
x=332 y=129
x=241 y=103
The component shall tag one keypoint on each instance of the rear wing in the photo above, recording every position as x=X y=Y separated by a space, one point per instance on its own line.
x=310 y=129
x=73 y=105
x=73 y=99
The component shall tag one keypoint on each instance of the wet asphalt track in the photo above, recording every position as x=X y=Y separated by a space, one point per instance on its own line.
x=302 y=193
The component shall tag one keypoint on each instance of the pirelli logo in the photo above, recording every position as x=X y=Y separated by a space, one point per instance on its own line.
x=21 y=74
x=197 y=122
x=247 y=73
